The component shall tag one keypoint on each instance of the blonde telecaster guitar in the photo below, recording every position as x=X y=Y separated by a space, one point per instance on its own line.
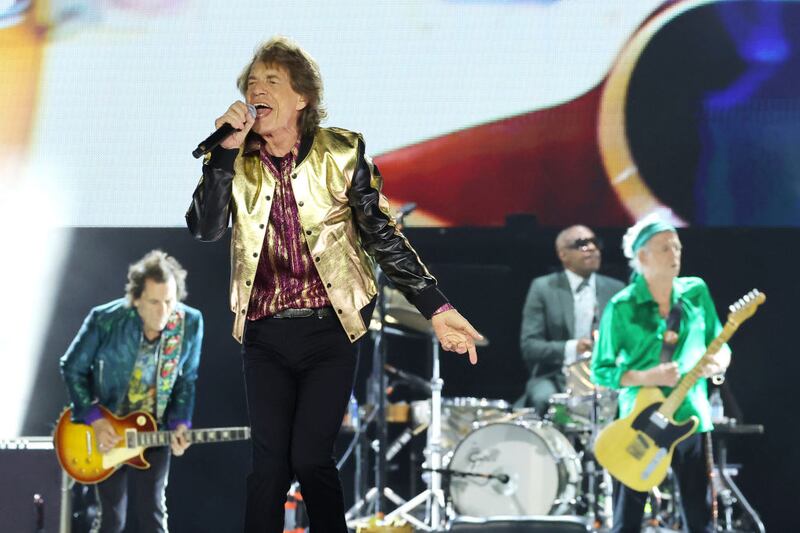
x=79 y=456
x=637 y=450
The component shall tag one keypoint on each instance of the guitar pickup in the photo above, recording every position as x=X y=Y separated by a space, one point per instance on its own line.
x=659 y=420
x=130 y=439
x=638 y=447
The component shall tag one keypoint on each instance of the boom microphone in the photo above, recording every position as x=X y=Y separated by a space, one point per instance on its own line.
x=222 y=133
x=411 y=379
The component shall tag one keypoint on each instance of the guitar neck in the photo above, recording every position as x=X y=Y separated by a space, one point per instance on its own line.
x=147 y=439
x=678 y=394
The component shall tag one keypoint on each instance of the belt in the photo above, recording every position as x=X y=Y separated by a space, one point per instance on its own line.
x=306 y=312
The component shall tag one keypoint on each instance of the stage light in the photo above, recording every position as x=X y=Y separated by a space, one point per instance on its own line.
x=33 y=253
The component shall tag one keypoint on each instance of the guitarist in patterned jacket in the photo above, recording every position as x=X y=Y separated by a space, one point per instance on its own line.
x=137 y=353
x=651 y=333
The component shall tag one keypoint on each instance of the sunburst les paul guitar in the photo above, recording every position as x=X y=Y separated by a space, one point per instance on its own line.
x=77 y=451
x=637 y=449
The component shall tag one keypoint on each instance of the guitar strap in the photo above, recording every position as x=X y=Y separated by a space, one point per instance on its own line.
x=667 y=351
x=712 y=484
x=671 y=333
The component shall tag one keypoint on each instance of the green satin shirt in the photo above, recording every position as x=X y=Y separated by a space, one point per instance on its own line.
x=631 y=337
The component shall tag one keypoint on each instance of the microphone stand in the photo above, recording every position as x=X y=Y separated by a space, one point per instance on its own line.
x=379 y=392
x=379 y=376
x=502 y=478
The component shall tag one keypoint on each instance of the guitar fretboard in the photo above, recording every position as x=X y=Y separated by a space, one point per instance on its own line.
x=676 y=397
x=146 y=439
x=740 y=311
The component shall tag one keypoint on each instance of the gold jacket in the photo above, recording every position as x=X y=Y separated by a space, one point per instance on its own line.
x=345 y=219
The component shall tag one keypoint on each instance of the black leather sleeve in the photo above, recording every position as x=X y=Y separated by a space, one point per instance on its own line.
x=386 y=244
x=209 y=212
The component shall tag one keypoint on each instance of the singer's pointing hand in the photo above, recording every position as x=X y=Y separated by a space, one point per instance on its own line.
x=456 y=334
x=238 y=117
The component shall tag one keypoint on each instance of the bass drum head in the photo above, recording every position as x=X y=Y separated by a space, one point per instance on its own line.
x=542 y=468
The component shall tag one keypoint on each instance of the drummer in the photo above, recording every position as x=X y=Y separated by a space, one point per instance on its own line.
x=560 y=314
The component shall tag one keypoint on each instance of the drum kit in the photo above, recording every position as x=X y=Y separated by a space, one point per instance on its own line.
x=483 y=458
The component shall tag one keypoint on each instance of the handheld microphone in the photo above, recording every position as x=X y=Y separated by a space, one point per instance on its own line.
x=222 y=133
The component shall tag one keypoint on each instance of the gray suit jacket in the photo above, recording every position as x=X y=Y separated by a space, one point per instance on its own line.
x=548 y=321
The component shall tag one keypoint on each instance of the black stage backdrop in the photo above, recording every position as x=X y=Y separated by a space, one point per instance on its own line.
x=486 y=273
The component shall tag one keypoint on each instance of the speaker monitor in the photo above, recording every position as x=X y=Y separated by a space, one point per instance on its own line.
x=25 y=474
x=521 y=524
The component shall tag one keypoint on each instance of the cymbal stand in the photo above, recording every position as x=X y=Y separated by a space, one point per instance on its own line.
x=433 y=496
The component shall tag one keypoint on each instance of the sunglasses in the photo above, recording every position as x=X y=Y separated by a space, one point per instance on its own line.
x=583 y=244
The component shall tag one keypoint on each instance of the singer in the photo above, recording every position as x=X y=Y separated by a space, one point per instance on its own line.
x=307 y=214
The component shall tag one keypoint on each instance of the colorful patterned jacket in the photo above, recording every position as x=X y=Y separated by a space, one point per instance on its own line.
x=98 y=364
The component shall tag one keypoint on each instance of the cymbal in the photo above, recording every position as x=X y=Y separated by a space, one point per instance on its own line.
x=580 y=359
x=409 y=319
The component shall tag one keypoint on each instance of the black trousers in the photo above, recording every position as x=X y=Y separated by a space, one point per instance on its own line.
x=148 y=490
x=298 y=374
x=690 y=469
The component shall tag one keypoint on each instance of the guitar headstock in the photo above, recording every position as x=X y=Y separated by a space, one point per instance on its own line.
x=746 y=306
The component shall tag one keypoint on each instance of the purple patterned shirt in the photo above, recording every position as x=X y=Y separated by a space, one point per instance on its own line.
x=286 y=277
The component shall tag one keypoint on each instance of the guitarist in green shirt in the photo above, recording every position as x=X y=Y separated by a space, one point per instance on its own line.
x=651 y=333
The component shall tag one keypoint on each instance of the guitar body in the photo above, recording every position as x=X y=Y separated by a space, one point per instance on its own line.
x=77 y=452
x=637 y=449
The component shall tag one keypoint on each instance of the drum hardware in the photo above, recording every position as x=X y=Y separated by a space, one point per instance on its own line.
x=581 y=412
x=371 y=501
x=662 y=509
x=599 y=515
x=360 y=511
x=377 y=389
x=393 y=315
x=582 y=416
x=403 y=439
x=460 y=415
x=730 y=493
x=433 y=496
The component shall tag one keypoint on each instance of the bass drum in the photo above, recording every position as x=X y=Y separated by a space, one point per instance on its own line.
x=543 y=471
